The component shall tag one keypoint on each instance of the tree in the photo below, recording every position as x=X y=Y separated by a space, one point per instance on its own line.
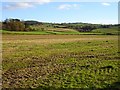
x=14 y=25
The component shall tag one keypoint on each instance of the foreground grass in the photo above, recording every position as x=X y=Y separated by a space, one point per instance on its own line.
x=60 y=61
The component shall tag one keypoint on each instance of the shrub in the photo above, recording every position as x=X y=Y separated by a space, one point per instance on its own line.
x=13 y=25
x=109 y=34
x=42 y=29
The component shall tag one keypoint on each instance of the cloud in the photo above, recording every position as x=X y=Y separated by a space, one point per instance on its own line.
x=106 y=4
x=17 y=5
x=41 y=1
x=67 y=6
x=12 y=6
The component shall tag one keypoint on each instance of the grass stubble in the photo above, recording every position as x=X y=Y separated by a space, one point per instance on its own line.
x=60 y=61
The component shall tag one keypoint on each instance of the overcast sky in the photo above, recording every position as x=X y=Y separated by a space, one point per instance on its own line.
x=47 y=11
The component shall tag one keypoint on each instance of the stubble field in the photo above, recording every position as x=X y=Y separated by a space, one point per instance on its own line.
x=60 y=61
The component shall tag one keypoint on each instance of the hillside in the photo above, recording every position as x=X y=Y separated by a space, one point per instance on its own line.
x=15 y=26
x=66 y=31
x=107 y=31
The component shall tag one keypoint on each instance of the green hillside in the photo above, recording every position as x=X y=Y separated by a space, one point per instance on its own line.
x=64 y=31
x=16 y=26
x=107 y=31
x=57 y=32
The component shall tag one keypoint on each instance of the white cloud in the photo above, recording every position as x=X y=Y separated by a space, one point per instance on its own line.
x=67 y=6
x=41 y=1
x=16 y=5
x=106 y=4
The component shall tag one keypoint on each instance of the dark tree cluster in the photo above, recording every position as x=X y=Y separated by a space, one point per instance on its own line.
x=85 y=27
x=31 y=22
x=18 y=25
x=13 y=25
x=81 y=27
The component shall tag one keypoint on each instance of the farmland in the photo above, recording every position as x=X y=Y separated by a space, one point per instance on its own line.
x=60 y=61
x=68 y=45
x=63 y=31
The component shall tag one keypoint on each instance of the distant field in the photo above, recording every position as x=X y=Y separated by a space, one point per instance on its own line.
x=65 y=31
x=47 y=32
x=60 y=61
x=107 y=31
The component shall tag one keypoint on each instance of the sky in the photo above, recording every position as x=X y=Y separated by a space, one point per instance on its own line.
x=60 y=12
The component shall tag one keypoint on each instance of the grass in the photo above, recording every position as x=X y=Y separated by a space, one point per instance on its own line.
x=48 y=30
x=60 y=61
x=62 y=31
x=107 y=31
x=23 y=32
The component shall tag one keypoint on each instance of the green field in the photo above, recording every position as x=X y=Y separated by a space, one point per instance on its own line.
x=63 y=31
x=39 y=32
x=107 y=31
x=61 y=61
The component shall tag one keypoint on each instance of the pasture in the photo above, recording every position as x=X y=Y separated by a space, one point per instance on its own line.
x=60 y=61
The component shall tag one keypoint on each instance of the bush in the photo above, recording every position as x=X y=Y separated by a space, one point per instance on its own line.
x=14 y=26
x=42 y=29
x=109 y=34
